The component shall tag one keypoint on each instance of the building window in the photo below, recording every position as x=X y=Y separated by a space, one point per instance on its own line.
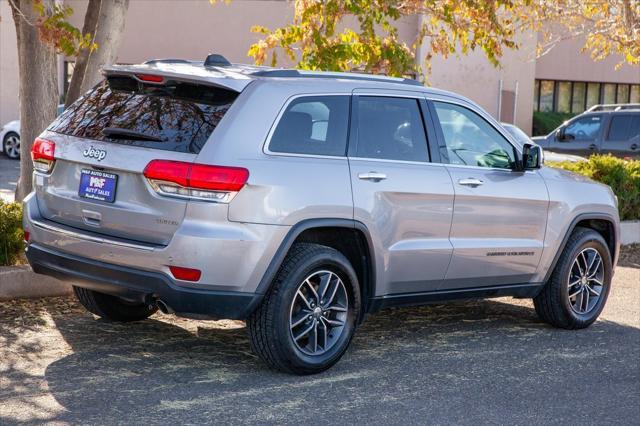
x=546 y=95
x=579 y=97
x=609 y=94
x=576 y=96
x=634 y=96
x=623 y=93
x=563 y=97
x=593 y=94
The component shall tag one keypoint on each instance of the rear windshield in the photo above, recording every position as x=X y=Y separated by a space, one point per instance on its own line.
x=174 y=116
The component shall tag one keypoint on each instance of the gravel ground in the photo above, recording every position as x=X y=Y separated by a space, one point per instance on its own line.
x=488 y=362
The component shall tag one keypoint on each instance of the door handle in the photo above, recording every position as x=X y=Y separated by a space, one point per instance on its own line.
x=593 y=147
x=634 y=147
x=472 y=182
x=372 y=176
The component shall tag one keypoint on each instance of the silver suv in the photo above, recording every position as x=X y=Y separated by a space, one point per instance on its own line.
x=303 y=201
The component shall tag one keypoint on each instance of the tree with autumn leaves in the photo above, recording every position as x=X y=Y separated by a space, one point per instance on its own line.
x=318 y=40
x=336 y=35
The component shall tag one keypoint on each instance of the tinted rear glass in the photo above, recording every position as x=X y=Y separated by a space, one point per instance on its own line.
x=173 y=117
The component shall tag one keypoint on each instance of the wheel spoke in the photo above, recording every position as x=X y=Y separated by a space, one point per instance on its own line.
x=325 y=282
x=593 y=290
x=575 y=293
x=334 y=322
x=305 y=331
x=593 y=272
x=329 y=300
x=304 y=299
x=315 y=336
x=571 y=284
x=585 y=297
x=302 y=317
x=313 y=290
x=337 y=308
x=577 y=262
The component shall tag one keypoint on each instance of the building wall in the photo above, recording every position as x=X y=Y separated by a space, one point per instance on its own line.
x=566 y=62
x=476 y=78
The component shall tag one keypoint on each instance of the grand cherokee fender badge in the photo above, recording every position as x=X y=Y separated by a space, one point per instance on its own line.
x=92 y=152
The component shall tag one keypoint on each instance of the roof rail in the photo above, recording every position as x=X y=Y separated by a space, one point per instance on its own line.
x=351 y=76
x=613 y=107
x=167 y=61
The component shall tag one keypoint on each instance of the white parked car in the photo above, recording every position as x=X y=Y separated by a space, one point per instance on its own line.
x=10 y=137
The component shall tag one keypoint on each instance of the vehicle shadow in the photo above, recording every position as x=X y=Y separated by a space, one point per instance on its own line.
x=432 y=362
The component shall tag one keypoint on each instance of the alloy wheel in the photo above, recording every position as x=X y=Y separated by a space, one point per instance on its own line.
x=318 y=312
x=586 y=281
x=12 y=146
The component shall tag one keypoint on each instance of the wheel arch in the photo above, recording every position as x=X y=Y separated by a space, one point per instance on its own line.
x=357 y=248
x=602 y=223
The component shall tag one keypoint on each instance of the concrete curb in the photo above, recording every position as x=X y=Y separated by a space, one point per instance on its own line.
x=630 y=231
x=22 y=282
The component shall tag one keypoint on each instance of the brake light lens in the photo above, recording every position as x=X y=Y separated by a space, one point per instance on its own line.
x=150 y=78
x=26 y=236
x=200 y=181
x=185 y=274
x=43 y=155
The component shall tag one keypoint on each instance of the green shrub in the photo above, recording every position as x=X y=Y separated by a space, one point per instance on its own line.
x=623 y=176
x=545 y=122
x=11 y=234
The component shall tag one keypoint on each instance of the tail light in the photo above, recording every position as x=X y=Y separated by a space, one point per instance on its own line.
x=42 y=155
x=200 y=181
x=26 y=236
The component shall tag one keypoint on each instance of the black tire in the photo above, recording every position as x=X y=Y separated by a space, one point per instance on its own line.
x=5 y=145
x=269 y=325
x=111 y=307
x=553 y=304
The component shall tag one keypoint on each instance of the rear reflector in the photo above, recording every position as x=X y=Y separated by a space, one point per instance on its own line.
x=181 y=179
x=42 y=155
x=26 y=236
x=150 y=78
x=185 y=274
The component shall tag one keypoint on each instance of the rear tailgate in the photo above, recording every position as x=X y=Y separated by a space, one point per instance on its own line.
x=103 y=143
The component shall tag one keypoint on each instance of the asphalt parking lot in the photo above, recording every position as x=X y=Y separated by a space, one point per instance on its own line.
x=488 y=362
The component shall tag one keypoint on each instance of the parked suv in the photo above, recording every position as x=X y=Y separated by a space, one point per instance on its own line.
x=303 y=201
x=603 y=129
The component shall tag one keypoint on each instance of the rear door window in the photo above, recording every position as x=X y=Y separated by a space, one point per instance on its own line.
x=313 y=125
x=624 y=127
x=390 y=128
x=174 y=116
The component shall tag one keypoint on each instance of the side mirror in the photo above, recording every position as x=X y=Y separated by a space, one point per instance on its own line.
x=532 y=157
x=562 y=136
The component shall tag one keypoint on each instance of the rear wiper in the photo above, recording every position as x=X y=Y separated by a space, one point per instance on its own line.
x=116 y=132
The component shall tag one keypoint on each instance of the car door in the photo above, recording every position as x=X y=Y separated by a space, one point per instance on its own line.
x=580 y=136
x=500 y=214
x=404 y=199
x=623 y=135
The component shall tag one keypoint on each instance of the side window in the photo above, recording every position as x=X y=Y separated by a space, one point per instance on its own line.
x=470 y=140
x=391 y=129
x=585 y=128
x=624 y=127
x=315 y=125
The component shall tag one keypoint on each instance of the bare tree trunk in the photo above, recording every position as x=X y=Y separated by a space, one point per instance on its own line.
x=108 y=36
x=38 y=89
x=89 y=27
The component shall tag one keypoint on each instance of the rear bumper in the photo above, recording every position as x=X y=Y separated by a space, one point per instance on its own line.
x=137 y=285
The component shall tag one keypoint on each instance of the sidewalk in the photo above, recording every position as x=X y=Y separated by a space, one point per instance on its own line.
x=9 y=172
